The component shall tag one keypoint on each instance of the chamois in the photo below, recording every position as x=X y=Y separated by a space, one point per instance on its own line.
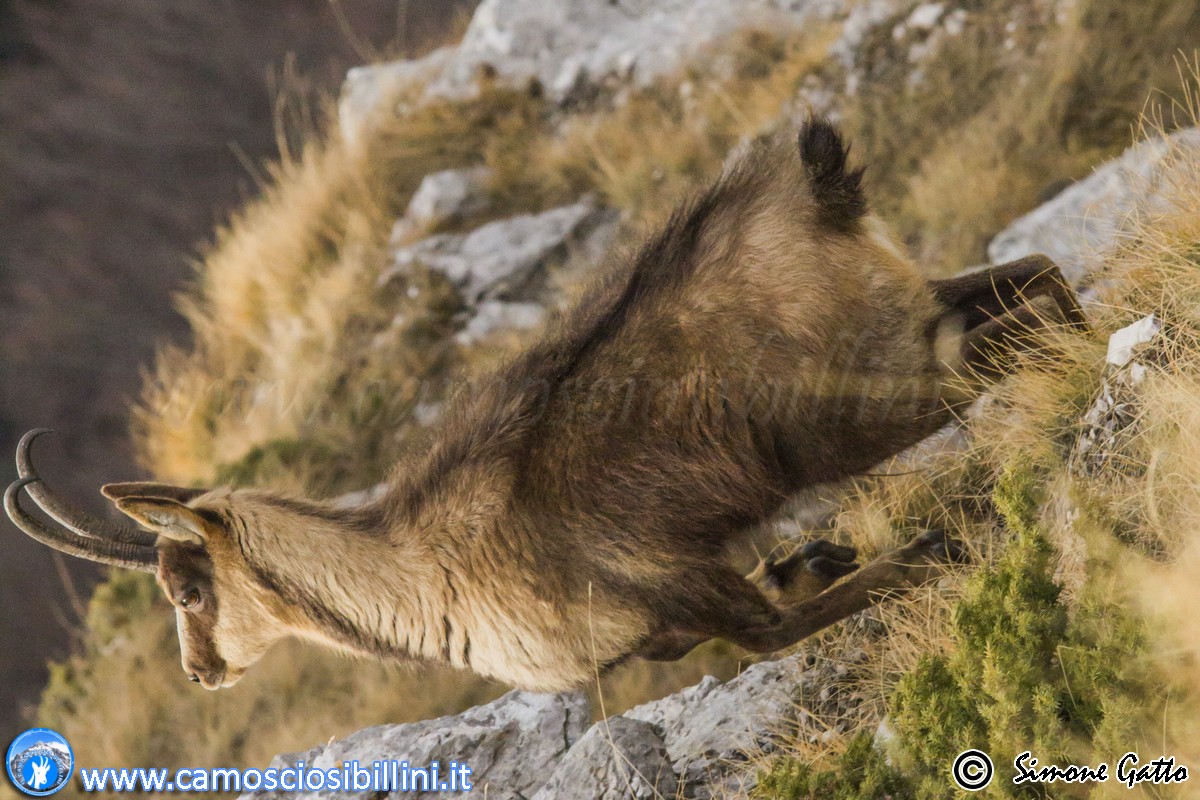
x=574 y=507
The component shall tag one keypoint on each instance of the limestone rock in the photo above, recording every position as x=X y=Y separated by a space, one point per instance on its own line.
x=575 y=48
x=708 y=728
x=511 y=745
x=500 y=259
x=366 y=88
x=494 y=315
x=616 y=759
x=447 y=197
x=692 y=744
x=1086 y=220
x=568 y=45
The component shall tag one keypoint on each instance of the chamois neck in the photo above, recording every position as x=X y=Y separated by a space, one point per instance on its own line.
x=358 y=586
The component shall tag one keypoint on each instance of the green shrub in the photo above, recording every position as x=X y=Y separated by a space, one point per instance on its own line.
x=1023 y=676
x=860 y=772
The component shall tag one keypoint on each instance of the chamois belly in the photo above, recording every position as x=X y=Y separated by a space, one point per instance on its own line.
x=530 y=660
x=545 y=647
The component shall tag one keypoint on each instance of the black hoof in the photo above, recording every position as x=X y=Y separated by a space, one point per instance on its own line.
x=829 y=569
x=823 y=548
x=941 y=547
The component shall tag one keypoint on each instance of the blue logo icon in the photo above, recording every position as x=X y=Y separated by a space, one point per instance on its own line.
x=39 y=762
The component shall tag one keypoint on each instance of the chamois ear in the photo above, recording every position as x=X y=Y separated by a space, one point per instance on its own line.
x=167 y=518
x=180 y=494
x=837 y=191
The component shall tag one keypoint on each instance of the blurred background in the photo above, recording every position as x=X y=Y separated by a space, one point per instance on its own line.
x=128 y=130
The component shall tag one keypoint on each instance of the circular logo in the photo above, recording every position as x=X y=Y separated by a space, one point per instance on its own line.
x=39 y=762
x=972 y=770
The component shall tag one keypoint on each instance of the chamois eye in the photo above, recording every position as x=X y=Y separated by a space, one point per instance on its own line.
x=190 y=598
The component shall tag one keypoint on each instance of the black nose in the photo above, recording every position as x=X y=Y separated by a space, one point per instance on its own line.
x=194 y=678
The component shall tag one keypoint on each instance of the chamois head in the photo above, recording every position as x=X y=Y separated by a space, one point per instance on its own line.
x=226 y=622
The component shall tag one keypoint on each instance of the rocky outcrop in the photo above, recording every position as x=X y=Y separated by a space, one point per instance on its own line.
x=500 y=268
x=503 y=258
x=694 y=744
x=709 y=729
x=366 y=88
x=572 y=47
x=1111 y=421
x=511 y=745
x=449 y=197
x=491 y=316
x=618 y=758
x=578 y=49
x=1079 y=226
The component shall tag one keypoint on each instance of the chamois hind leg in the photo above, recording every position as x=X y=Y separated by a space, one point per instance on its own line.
x=670 y=646
x=743 y=621
x=990 y=293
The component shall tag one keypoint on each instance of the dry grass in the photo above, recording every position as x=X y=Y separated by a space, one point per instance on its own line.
x=659 y=145
x=1156 y=490
x=1009 y=110
x=289 y=289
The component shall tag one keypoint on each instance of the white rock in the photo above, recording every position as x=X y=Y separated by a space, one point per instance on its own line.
x=366 y=89
x=494 y=315
x=925 y=16
x=570 y=46
x=862 y=19
x=511 y=745
x=528 y=745
x=566 y=44
x=616 y=759
x=1123 y=344
x=1084 y=222
x=710 y=727
x=447 y=197
x=571 y=77
x=499 y=259
x=956 y=22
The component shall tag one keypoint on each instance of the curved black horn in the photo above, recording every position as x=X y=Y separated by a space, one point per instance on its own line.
x=73 y=519
x=116 y=554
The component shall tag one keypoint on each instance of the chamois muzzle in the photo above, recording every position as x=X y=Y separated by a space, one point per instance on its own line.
x=85 y=536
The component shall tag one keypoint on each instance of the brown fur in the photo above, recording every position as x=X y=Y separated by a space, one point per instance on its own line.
x=575 y=506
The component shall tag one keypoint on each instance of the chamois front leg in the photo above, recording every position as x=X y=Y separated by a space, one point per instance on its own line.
x=1002 y=310
x=807 y=571
x=743 y=616
x=890 y=573
x=988 y=350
